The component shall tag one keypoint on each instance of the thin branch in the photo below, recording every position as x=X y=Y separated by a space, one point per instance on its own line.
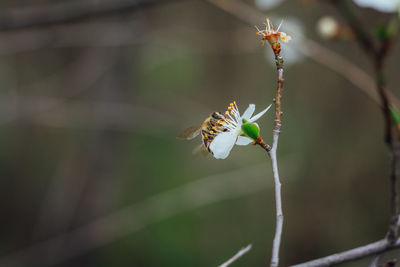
x=394 y=196
x=271 y=36
x=391 y=142
x=272 y=154
x=278 y=202
x=68 y=12
x=352 y=254
x=235 y=257
x=375 y=260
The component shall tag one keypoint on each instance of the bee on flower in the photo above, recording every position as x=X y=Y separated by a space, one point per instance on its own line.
x=272 y=35
x=219 y=136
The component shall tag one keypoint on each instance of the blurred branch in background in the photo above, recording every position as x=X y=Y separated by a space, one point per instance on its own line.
x=60 y=14
x=80 y=114
x=66 y=12
x=378 y=55
x=102 y=34
x=28 y=40
x=93 y=64
x=312 y=49
x=63 y=194
x=205 y=191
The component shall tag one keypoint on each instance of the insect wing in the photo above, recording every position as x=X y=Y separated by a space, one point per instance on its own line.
x=189 y=133
x=202 y=149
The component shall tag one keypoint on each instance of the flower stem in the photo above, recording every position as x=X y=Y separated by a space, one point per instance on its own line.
x=261 y=142
x=278 y=203
x=272 y=154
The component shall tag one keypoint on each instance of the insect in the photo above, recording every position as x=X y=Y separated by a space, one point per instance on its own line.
x=209 y=129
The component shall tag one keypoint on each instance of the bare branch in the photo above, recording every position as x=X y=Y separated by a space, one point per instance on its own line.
x=352 y=254
x=375 y=260
x=274 y=160
x=235 y=257
x=271 y=36
x=278 y=202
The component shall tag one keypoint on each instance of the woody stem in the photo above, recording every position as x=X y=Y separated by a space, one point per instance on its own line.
x=272 y=154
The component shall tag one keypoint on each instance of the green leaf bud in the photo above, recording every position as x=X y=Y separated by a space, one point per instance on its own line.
x=251 y=130
x=395 y=115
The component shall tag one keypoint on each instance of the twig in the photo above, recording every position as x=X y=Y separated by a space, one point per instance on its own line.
x=389 y=138
x=273 y=37
x=235 y=257
x=278 y=199
x=375 y=260
x=272 y=154
x=394 y=196
x=352 y=254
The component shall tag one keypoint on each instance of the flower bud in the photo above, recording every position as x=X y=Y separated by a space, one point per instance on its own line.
x=251 y=130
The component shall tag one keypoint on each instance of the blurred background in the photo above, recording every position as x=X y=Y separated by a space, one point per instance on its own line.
x=93 y=93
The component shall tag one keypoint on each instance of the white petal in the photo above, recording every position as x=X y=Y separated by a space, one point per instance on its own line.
x=256 y=117
x=243 y=141
x=222 y=144
x=249 y=111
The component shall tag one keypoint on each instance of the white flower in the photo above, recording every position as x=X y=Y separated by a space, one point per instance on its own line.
x=232 y=134
x=290 y=52
x=271 y=35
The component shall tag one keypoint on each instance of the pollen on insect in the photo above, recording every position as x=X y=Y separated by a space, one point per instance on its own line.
x=206 y=136
x=211 y=132
x=227 y=112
